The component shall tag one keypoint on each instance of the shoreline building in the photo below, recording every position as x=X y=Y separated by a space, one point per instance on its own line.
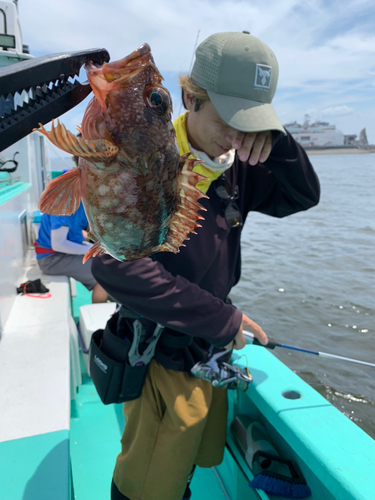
x=318 y=134
x=324 y=135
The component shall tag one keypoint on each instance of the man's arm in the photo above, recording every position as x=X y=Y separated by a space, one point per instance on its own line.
x=147 y=288
x=239 y=340
x=285 y=183
x=60 y=242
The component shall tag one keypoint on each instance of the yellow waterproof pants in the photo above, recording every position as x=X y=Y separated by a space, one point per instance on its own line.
x=177 y=422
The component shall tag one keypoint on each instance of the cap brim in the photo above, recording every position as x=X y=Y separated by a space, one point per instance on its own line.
x=244 y=115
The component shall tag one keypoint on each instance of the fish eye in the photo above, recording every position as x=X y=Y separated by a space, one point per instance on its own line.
x=158 y=100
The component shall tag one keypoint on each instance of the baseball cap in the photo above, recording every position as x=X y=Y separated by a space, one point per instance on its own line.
x=239 y=73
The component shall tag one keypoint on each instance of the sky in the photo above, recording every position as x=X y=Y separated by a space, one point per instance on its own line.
x=325 y=48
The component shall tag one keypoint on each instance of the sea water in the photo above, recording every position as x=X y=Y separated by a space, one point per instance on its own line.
x=309 y=280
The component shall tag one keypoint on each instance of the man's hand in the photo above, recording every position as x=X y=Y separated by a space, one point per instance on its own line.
x=239 y=340
x=253 y=146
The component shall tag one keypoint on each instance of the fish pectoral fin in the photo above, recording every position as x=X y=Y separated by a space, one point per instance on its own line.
x=100 y=149
x=186 y=217
x=94 y=251
x=62 y=196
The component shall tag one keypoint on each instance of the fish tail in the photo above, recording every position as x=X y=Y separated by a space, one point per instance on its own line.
x=62 y=196
x=94 y=251
x=100 y=149
x=186 y=217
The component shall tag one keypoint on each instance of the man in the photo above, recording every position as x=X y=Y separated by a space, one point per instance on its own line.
x=251 y=163
x=60 y=248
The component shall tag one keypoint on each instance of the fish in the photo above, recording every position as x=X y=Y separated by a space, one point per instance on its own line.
x=138 y=193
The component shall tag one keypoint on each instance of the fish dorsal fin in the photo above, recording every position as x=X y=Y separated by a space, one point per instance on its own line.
x=99 y=149
x=62 y=196
x=184 y=220
x=94 y=251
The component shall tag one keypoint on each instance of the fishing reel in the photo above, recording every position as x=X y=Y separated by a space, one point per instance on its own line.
x=221 y=373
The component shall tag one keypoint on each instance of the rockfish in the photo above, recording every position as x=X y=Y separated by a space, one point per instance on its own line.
x=138 y=193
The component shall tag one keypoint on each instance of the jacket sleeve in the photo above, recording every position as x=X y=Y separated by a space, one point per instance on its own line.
x=60 y=242
x=286 y=183
x=147 y=288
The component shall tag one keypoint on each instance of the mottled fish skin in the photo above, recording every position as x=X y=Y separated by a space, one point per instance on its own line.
x=134 y=198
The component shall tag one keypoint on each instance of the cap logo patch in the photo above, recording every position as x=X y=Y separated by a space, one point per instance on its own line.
x=263 y=76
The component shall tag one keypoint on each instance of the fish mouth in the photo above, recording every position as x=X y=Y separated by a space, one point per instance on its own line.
x=139 y=57
x=122 y=72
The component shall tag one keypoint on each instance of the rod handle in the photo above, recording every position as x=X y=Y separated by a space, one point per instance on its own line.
x=271 y=343
x=250 y=339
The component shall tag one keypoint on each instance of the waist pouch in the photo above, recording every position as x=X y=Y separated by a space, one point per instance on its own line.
x=117 y=368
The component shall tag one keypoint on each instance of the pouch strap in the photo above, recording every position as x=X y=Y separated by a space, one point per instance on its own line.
x=175 y=340
x=137 y=359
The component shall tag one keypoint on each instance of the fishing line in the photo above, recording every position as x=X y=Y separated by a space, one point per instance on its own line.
x=192 y=57
x=57 y=152
x=272 y=343
x=191 y=64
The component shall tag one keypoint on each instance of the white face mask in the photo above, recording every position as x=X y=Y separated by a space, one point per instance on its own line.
x=219 y=164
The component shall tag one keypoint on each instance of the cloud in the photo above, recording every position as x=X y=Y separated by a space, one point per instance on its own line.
x=338 y=110
x=295 y=32
x=325 y=49
x=312 y=54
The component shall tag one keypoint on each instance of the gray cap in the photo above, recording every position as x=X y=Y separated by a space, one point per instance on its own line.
x=240 y=75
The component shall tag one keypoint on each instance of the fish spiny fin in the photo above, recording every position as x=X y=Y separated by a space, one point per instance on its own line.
x=186 y=217
x=99 y=149
x=94 y=251
x=62 y=196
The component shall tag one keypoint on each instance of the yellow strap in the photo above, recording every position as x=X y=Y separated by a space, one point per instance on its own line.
x=182 y=141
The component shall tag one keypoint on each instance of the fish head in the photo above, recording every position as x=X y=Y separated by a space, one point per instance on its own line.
x=133 y=108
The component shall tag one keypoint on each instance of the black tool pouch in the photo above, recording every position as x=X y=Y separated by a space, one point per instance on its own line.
x=116 y=381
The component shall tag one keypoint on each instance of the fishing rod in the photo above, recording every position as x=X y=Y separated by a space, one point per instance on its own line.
x=250 y=339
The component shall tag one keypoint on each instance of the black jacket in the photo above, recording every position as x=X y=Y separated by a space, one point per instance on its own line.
x=186 y=292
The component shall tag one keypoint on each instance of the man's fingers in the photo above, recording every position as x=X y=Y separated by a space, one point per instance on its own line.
x=249 y=324
x=257 y=149
x=239 y=340
x=266 y=148
x=247 y=144
x=256 y=146
x=259 y=146
x=258 y=332
x=262 y=337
